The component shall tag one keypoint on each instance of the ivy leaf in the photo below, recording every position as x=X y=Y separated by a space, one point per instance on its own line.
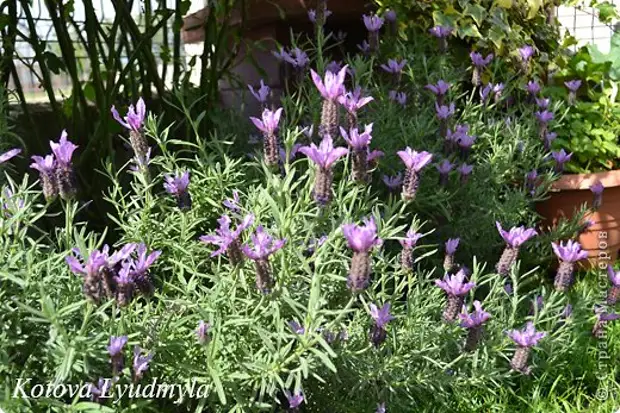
x=606 y=12
x=533 y=7
x=476 y=12
x=505 y=4
x=469 y=30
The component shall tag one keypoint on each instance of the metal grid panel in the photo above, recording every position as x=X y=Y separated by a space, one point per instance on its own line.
x=582 y=22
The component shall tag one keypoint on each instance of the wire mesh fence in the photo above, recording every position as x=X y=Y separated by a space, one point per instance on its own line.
x=582 y=22
x=26 y=65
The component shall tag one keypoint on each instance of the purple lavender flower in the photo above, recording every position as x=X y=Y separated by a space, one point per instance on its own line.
x=456 y=288
x=537 y=305
x=443 y=113
x=597 y=189
x=334 y=67
x=390 y=16
x=567 y=311
x=444 y=168
x=393 y=182
x=314 y=18
x=485 y=92
x=381 y=317
x=233 y=204
x=364 y=47
x=262 y=94
x=549 y=138
x=65 y=176
x=406 y=257
x=280 y=54
x=442 y=33
x=533 y=88
x=381 y=408
x=297 y=58
x=568 y=254
x=614 y=292
x=479 y=63
x=359 y=143
x=465 y=171
x=414 y=161
x=115 y=349
x=451 y=245
x=373 y=24
x=134 y=119
x=602 y=318
x=140 y=363
x=228 y=240
x=177 y=185
x=524 y=339
x=573 y=85
x=264 y=246
x=544 y=117
x=202 y=332
x=440 y=89
x=46 y=167
x=560 y=157
x=324 y=157
x=465 y=143
x=268 y=125
x=361 y=239
x=296 y=327
x=294 y=400
x=525 y=53
x=330 y=88
x=514 y=238
x=543 y=103
x=4 y=157
x=399 y=97
x=394 y=67
x=352 y=102
x=125 y=285
x=473 y=323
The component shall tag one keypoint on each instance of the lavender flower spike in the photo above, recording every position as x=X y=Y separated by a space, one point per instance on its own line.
x=202 y=332
x=406 y=257
x=46 y=167
x=134 y=121
x=525 y=340
x=140 y=363
x=465 y=171
x=330 y=88
x=353 y=102
x=543 y=117
x=613 y=294
x=443 y=113
x=395 y=67
x=115 y=350
x=441 y=33
x=399 y=97
x=228 y=240
x=373 y=24
x=140 y=269
x=361 y=239
x=178 y=185
x=568 y=255
x=294 y=400
x=456 y=288
x=264 y=246
x=324 y=157
x=514 y=238
x=572 y=86
x=262 y=94
x=414 y=161
x=473 y=323
x=525 y=53
x=4 y=157
x=602 y=318
x=597 y=189
x=479 y=63
x=444 y=168
x=393 y=182
x=451 y=245
x=439 y=90
x=560 y=157
x=359 y=143
x=381 y=317
x=533 y=88
x=65 y=176
x=269 y=125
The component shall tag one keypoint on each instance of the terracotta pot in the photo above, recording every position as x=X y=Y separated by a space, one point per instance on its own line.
x=569 y=193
